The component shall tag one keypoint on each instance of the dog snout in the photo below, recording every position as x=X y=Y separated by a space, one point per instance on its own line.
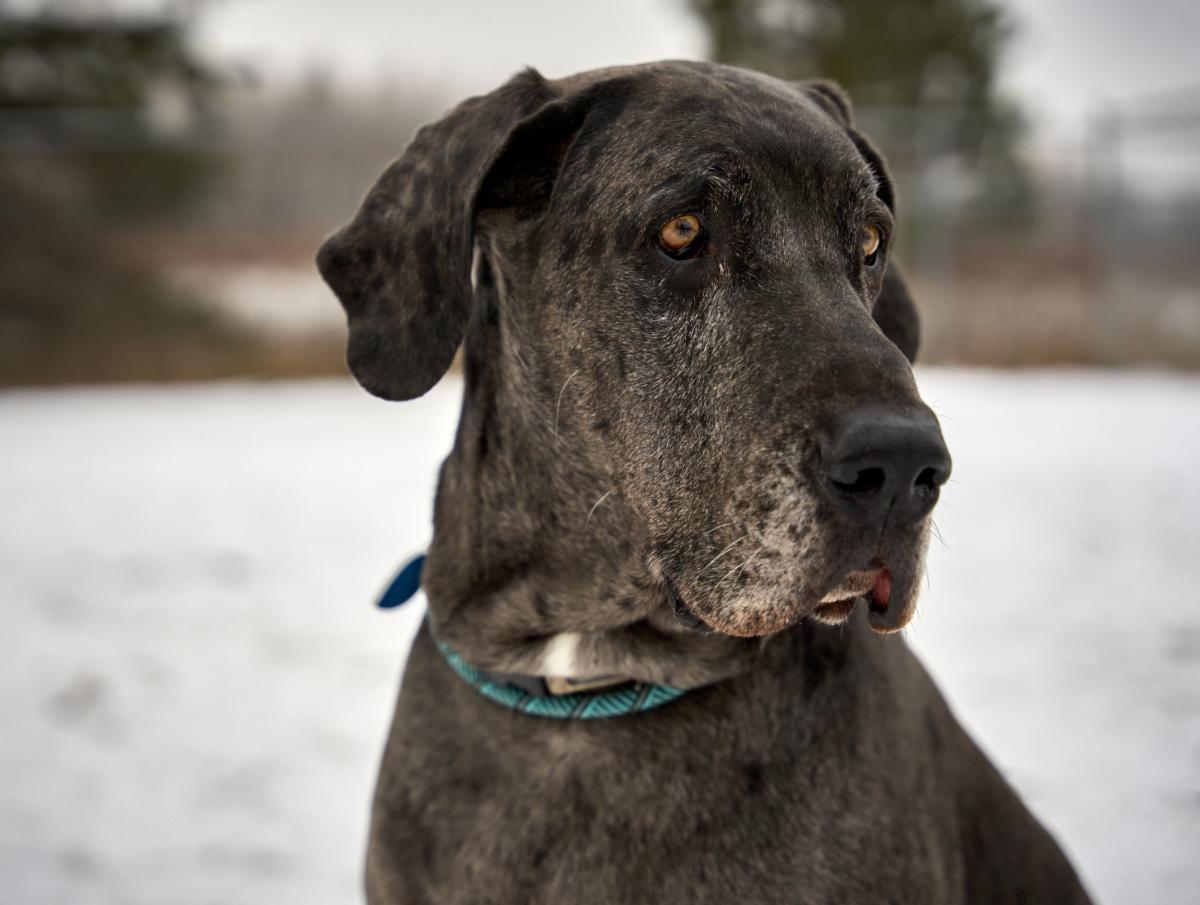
x=881 y=463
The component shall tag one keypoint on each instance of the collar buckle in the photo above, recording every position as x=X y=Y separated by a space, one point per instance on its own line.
x=557 y=685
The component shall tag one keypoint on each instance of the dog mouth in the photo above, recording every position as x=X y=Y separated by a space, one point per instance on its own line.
x=874 y=588
x=871 y=587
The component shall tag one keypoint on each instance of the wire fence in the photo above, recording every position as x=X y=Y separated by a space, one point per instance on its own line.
x=1085 y=251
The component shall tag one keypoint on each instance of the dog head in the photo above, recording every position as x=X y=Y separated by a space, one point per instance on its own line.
x=695 y=258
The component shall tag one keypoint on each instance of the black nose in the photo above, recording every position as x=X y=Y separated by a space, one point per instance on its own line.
x=885 y=463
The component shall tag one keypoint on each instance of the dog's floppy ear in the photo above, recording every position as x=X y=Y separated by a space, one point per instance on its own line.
x=402 y=266
x=896 y=313
x=894 y=309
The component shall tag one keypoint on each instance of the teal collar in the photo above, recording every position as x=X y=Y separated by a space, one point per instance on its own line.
x=630 y=697
x=530 y=694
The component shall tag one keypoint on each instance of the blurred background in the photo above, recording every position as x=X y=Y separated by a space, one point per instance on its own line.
x=197 y=505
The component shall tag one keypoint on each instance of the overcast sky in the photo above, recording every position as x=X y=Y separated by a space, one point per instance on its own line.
x=1069 y=57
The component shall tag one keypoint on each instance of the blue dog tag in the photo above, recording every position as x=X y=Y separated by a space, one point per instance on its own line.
x=406 y=583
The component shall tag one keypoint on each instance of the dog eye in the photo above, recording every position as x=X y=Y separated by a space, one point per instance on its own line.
x=872 y=238
x=680 y=236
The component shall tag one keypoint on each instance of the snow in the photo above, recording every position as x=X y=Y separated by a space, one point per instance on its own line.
x=194 y=685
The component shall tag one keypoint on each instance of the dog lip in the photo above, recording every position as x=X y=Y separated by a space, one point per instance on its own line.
x=853 y=584
x=881 y=591
x=881 y=624
x=887 y=614
x=874 y=588
x=835 y=612
x=682 y=613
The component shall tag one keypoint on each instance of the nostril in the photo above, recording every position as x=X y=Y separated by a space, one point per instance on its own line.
x=863 y=482
x=929 y=480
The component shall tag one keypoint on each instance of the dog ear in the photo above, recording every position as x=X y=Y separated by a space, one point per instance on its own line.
x=830 y=97
x=402 y=267
x=896 y=313
x=835 y=102
x=894 y=309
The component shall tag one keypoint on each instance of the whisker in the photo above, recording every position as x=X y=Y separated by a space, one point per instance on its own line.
x=726 y=550
x=596 y=506
x=938 y=534
x=944 y=414
x=717 y=528
x=558 y=405
x=747 y=562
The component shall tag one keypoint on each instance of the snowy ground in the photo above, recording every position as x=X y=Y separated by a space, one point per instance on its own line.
x=194 y=686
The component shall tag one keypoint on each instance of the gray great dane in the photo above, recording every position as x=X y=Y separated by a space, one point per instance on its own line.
x=691 y=455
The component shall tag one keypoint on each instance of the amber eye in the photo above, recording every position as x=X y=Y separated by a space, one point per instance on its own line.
x=679 y=235
x=872 y=238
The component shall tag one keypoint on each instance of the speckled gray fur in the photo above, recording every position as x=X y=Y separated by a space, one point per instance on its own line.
x=630 y=423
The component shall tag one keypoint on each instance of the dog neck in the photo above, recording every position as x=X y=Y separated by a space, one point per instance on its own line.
x=538 y=565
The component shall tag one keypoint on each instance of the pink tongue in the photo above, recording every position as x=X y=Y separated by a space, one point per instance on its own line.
x=881 y=593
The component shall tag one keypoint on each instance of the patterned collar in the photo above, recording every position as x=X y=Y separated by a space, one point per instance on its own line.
x=539 y=695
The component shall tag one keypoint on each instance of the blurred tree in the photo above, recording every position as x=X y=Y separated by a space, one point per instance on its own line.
x=99 y=119
x=123 y=99
x=921 y=72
